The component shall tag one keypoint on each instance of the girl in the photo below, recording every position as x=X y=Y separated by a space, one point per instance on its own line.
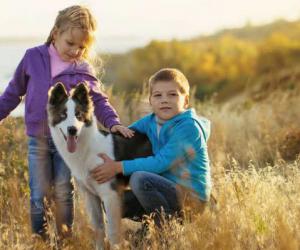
x=63 y=58
x=179 y=169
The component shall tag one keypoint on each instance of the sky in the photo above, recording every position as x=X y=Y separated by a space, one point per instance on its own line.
x=142 y=21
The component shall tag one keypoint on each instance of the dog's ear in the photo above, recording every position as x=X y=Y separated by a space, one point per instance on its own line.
x=57 y=94
x=81 y=93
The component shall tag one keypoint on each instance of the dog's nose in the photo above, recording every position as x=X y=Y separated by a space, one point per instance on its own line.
x=72 y=130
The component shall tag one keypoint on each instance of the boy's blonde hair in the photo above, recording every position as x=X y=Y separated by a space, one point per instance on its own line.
x=75 y=16
x=170 y=74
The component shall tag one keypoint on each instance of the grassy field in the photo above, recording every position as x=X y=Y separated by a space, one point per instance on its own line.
x=254 y=150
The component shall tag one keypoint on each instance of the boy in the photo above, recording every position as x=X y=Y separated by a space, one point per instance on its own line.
x=180 y=162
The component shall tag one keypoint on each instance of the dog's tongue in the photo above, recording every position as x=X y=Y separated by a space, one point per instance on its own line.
x=71 y=143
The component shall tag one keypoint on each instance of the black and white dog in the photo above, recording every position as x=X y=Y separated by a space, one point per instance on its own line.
x=75 y=133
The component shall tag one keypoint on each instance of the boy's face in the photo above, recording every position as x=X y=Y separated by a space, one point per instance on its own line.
x=70 y=44
x=166 y=100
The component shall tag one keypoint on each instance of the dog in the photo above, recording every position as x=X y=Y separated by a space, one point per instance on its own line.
x=75 y=133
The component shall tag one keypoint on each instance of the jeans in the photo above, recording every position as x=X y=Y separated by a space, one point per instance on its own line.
x=49 y=177
x=148 y=195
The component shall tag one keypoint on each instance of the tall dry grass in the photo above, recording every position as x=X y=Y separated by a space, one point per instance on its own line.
x=256 y=186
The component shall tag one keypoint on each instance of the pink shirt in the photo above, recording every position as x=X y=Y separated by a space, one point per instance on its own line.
x=56 y=64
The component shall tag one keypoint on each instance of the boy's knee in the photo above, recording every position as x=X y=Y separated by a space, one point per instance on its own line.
x=139 y=181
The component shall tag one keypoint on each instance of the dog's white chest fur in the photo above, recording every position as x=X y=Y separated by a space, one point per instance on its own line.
x=90 y=143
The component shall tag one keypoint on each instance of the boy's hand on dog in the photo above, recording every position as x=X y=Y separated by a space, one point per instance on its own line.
x=107 y=170
x=126 y=132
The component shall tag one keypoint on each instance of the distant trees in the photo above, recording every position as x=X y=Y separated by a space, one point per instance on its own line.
x=221 y=63
x=277 y=52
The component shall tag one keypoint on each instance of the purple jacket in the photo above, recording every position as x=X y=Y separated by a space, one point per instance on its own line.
x=33 y=79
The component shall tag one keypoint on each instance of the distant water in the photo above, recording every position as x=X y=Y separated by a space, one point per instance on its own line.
x=11 y=54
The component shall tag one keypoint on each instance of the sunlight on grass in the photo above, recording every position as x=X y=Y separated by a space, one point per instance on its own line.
x=256 y=188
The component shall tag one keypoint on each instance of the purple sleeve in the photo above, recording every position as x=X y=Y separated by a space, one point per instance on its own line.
x=104 y=112
x=16 y=88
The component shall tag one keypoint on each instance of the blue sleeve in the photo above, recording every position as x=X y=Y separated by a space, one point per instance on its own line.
x=185 y=136
x=141 y=125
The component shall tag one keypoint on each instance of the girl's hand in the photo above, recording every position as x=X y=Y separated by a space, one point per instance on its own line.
x=126 y=132
x=107 y=170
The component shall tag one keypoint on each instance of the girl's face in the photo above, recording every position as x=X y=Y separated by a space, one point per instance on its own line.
x=70 y=44
x=167 y=100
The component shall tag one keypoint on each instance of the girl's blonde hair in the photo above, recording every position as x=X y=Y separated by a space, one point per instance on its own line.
x=75 y=16
x=171 y=74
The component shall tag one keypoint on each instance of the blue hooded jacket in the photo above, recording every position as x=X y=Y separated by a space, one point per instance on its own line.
x=180 y=151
